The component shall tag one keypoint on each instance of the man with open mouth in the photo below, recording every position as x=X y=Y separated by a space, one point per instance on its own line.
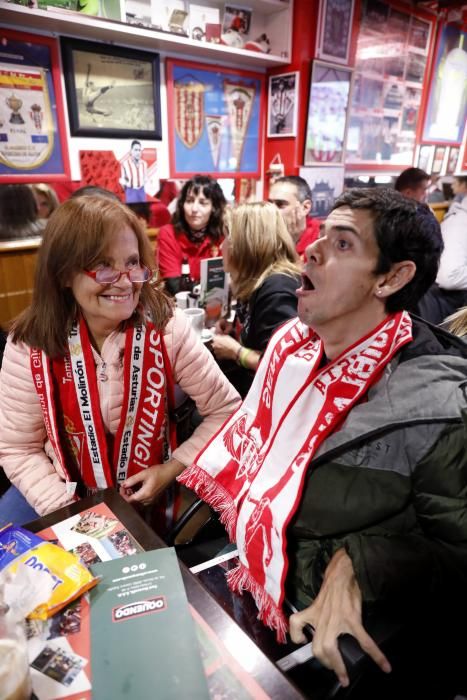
x=342 y=477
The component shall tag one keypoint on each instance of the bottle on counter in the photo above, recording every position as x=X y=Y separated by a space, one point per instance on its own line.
x=186 y=283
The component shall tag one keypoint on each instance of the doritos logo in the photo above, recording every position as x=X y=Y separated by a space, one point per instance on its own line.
x=142 y=607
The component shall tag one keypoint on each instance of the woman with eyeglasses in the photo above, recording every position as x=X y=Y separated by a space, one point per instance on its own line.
x=86 y=387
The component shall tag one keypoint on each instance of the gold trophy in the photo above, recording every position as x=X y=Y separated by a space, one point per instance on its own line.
x=15 y=104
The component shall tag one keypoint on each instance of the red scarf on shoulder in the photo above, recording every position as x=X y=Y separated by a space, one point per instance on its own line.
x=253 y=471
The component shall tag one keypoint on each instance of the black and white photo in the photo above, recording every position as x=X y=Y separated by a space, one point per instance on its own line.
x=282 y=105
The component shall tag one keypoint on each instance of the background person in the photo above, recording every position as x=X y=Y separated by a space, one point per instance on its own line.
x=349 y=452
x=46 y=199
x=18 y=213
x=265 y=273
x=413 y=183
x=94 y=315
x=292 y=195
x=195 y=232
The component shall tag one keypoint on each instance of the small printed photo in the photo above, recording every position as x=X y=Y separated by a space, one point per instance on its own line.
x=415 y=68
x=94 y=525
x=66 y=622
x=60 y=665
x=282 y=104
x=419 y=34
x=236 y=19
x=123 y=543
x=425 y=157
x=87 y=554
x=452 y=161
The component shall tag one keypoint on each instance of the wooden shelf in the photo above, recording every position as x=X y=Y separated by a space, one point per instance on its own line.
x=63 y=23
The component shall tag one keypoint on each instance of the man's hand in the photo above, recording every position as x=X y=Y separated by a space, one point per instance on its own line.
x=149 y=483
x=225 y=347
x=337 y=610
x=223 y=327
x=295 y=220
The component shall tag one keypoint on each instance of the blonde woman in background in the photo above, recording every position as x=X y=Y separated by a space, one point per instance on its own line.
x=46 y=199
x=457 y=323
x=265 y=270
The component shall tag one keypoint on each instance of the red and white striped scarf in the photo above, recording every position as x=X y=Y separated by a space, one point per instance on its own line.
x=253 y=470
x=69 y=398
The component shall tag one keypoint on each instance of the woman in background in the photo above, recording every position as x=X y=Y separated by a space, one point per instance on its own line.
x=457 y=323
x=46 y=199
x=196 y=232
x=264 y=269
x=18 y=213
x=86 y=386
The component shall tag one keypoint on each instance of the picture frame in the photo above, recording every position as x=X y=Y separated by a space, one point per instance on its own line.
x=453 y=159
x=325 y=184
x=335 y=30
x=446 y=111
x=283 y=104
x=33 y=144
x=438 y=160
x=112 y=92
x=425 y=157
x=330 y=92
x=222 y=131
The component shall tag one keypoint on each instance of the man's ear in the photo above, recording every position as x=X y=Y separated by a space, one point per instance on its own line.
x=400 y=274
x=306 y=204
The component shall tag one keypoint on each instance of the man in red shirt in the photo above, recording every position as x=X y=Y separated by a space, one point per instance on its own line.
x=292 y=195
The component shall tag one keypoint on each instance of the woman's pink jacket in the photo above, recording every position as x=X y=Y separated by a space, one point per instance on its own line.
x=25 y=452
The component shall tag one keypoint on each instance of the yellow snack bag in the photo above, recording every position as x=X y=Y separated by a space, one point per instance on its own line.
x=70 y=577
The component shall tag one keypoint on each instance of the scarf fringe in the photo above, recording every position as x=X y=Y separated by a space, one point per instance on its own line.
x=239 y=580
x=214 y=494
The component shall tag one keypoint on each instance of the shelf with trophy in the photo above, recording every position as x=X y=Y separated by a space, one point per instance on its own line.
x=257 y=33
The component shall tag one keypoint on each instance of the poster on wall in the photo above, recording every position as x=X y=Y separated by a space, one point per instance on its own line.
x=390 y=67
x=446 y=113
x=283 y=104
x=327 y=114
x=32 y=141
x=215 y=120
x=326 y=184
x=335 y=29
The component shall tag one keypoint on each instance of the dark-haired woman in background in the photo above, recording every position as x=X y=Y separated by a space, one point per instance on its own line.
x=18 y=213
x=196 y=231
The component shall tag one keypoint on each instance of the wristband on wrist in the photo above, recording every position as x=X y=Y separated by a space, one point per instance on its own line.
x=243 y=356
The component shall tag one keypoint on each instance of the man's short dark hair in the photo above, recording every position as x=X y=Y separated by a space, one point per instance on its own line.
x=135 y=142
x=461 y=179
x=303 y=188
x=404 y=230
x=411 y=178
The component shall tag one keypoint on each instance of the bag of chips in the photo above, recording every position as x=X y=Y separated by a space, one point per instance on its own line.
x=70 y=578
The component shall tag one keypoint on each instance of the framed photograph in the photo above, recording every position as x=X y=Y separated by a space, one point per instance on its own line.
x=335 y=29
x=217 y=115
x=326 y=184
x=32 y=131
x=452 y=160
x=112 y=92
x=438 y=160
x=425 y=158
x=283 y=105
x=200 y=17
x=446 y=111
x=327 y=114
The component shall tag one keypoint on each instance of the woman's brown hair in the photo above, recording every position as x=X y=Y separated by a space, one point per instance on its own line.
x=75 y=239
x=259 y=246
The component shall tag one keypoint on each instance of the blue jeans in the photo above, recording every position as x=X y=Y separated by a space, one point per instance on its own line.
x=15 y=509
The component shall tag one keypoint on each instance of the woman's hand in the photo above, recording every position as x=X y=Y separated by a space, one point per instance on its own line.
x=223 y=327
x=149 y=483
x=225 y=347
x=337 y=610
